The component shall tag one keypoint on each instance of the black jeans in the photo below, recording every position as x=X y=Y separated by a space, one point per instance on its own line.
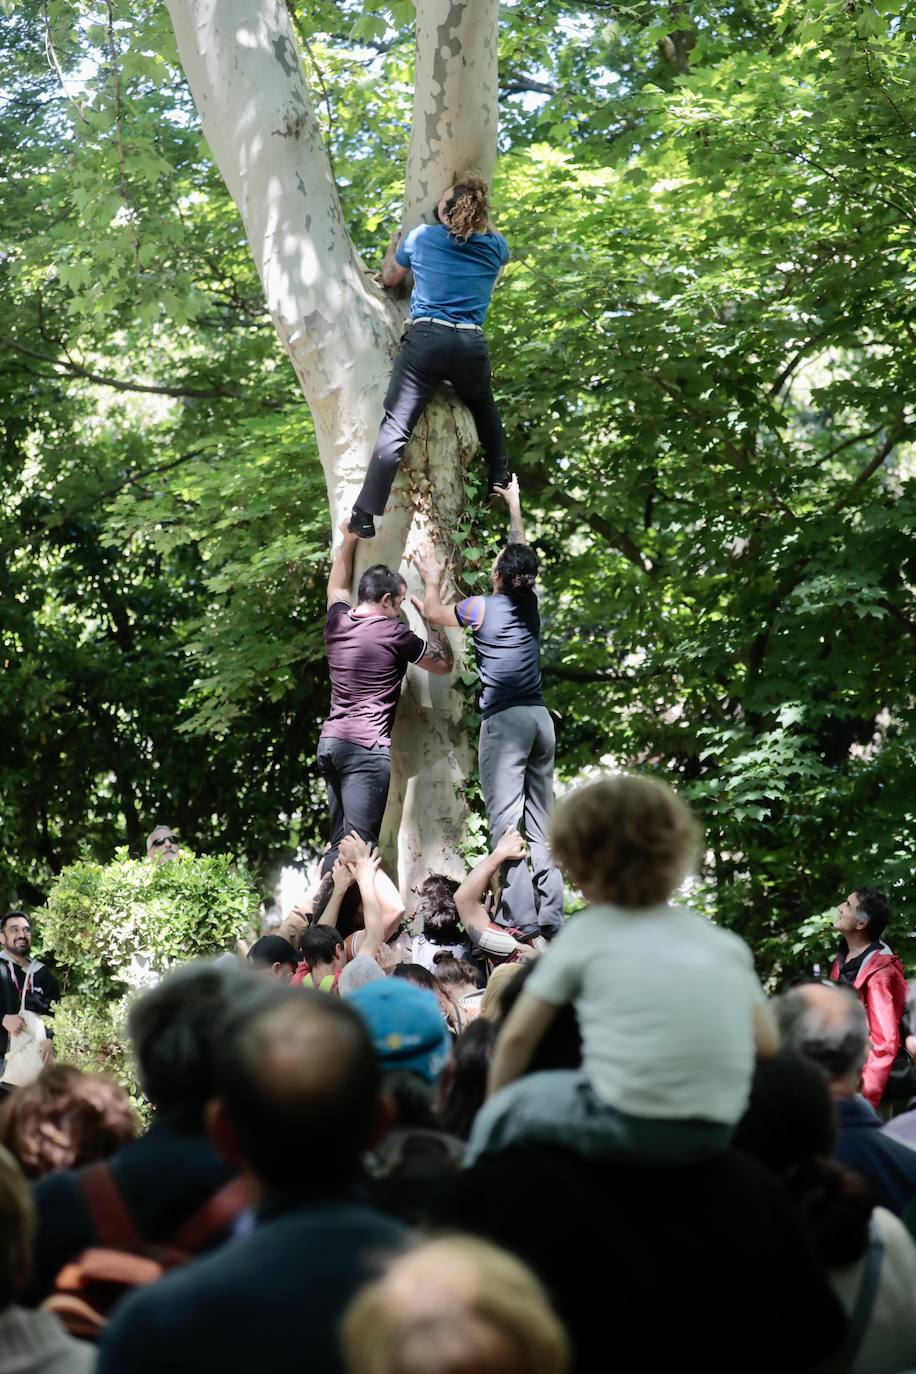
x=357 y=781
x=431 y=354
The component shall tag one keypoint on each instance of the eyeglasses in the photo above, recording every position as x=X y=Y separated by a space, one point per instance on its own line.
x=165 y=839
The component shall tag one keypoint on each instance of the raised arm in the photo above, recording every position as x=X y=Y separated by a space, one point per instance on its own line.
x=469 y=899
x=341 y=878
x=392 y=272
x=432 y=607
x=518 y=1039
x=340 y=577
x=510 y=494
x=382 y=905
x=364 y=869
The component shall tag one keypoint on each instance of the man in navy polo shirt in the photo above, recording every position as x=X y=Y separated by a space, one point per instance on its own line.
x=455 y=263
x=368 y=649
x=517 y=741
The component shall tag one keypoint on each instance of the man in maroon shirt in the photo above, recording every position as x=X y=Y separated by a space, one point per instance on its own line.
x=368 y=649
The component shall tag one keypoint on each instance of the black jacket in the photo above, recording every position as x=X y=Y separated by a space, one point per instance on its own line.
x=42 y=994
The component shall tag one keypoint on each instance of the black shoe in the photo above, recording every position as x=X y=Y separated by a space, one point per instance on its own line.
x=501 y=478
x=362 y=524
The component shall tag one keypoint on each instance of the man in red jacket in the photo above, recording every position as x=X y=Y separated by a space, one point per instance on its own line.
x=867 y=964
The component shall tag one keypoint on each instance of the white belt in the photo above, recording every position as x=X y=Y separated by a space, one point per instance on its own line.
x=449 y=324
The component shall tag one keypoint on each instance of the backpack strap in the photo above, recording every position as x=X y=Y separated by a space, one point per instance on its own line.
x=215 y=1215
x=868 y=1290
x=113 y=1224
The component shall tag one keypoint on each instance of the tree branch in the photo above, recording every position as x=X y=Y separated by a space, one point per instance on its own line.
x=897 y=431
x=54 y=61
x=618 y=539
x=191 y=393
x=790 y=366
x=566 y=674
x=526 y=87
x=119 y=135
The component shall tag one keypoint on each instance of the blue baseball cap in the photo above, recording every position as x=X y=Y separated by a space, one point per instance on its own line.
x=405 y=1025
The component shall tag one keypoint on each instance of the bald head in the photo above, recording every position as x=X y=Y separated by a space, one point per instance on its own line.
x=299 y=1080
x=826 y=1023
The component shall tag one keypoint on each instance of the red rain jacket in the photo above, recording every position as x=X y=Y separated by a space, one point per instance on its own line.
x=881 y=985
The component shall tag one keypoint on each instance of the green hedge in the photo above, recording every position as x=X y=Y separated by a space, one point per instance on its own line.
x=105 y=924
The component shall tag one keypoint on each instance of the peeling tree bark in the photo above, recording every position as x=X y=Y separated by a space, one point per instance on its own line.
x=340 y=330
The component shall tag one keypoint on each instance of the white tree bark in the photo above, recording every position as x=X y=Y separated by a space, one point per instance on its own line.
x=340 y=330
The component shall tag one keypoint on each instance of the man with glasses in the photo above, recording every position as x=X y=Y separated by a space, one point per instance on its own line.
x=19 y=973
x=162 y=845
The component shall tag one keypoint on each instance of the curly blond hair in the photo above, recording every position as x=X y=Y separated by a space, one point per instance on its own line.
x=469 y=207
x=630 y=839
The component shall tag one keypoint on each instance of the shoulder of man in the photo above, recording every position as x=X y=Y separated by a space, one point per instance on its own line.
x=502 y=246
x=409 y=243
x=335 y=610
x=471 y=611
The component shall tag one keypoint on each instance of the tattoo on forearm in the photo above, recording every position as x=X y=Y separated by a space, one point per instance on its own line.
x=438 y=646
x=516 y=528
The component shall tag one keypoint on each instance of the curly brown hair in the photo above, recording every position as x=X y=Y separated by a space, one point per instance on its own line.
x=66 y=1119
x=469 y=206
x=630 y=839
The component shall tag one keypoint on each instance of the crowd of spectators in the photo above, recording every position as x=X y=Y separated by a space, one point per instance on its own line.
x=392 y=1142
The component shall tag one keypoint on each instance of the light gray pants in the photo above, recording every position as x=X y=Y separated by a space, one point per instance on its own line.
x=516 y=775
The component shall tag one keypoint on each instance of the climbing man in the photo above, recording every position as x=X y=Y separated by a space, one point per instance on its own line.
x=455 y=263
x=517 y=739
x=368 y=649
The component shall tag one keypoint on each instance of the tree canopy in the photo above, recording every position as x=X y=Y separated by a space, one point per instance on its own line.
x=704 y=357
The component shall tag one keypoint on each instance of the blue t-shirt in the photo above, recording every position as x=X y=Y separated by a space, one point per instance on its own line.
x=453 y=278
x=507 y=635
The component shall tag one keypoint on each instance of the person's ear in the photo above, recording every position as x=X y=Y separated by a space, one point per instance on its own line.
x=222 y=1132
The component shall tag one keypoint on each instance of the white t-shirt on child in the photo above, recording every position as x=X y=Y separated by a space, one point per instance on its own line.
x=665 y=1003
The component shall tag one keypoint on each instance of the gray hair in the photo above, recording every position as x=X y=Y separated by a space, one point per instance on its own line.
x=175 y=1027
x=838 y=1042
x=357 y=973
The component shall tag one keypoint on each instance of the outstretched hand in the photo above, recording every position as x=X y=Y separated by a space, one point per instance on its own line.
x=340 y=875
x=428 y=566
x=511 y=845
x=365 y=863
x=510 y=492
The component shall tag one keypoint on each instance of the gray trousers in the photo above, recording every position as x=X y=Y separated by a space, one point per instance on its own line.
x=516 y=775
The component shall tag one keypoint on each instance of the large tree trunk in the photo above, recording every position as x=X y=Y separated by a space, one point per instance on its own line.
x=339 y=328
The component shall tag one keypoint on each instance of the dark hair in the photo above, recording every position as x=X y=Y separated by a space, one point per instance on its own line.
x=9 y=915
x=877 y=908
x=416 y=974
x=412 y=1097
x=468 y=1087
x=174 y=1029
x=517 y=569
x=270 y=950
x=301 y=1106
x=436 y=905
x=17 y=1229
x=379 y=581
x=89 y=1116
x=789 y=1126
x=453 y=972
x=838 y=1045
x=319 y=945
x=560 y=1047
